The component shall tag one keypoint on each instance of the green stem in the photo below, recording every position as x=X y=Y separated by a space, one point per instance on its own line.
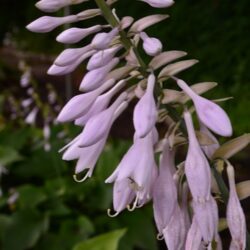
x=127 y=43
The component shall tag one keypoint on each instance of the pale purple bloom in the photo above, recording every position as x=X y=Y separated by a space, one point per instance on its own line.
x=48 y=23
x=197 y=168
x=235 y=215
x=102 y=57
x=63 y=70
x=165 y=191
x=27 y=102
x=54 y=5
x=151 y=45
x=46 y=131
x=100 y=104
x=94 y=78
x=97 y=126
x=194 y=237
x=159 y=3
x=206 y=214
x=69 y=56
x=80 y=104
x=209 y=113
x=26 y=78
x=31 y=117
x=138 y=165
x=175 y=232
x=102 y=40
x=145 y=112
x=75 y=35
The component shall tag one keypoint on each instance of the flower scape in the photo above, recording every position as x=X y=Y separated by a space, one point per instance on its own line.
x=185 y=196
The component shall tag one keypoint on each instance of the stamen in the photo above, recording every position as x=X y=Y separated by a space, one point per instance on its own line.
x=135 y=204
x=81 y=180
x=110 y=214
x=160 y=236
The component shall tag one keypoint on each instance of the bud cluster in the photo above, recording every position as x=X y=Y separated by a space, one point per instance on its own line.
x=185 y=211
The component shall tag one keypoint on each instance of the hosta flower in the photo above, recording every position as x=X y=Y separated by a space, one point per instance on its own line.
x=93 y=132
x=165 y=191
x=145 y=113
x=100 y=103
x=235 y=215
x=102 y=40
x=197 y=168
x=94 y=78
x=210 y=114
x=74 y=108
x=75 y=35
x=54 y=5
x=194 y=237
x=48 y=23
x=159 y=3
x=151 y=45
x=102 y=57
x=138 y=165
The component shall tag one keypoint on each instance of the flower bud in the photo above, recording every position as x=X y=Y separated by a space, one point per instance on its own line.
x=102 y=57
x=151 y=45
x=75 y=35
x=102 y=40
x=159 y=3
x=145 y=112
x=94 y=78
x=235 y=215
x=80 y=104
x=210 y=114
x=48 y=23
x=54 y=5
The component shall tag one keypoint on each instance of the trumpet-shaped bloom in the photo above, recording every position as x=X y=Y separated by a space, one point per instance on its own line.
x=151 y=45
x=98 y=125
x=235 y=215
x=159 y=3
x=145 y=112
x=165 y=191
x=48 y=23
x=54 y=5
x=138 y=165
x=100 y=104
x=210 y=114
x=80 y=104
x=94 y=78
x=197 y=168
x=194 y=237
x=102 y=40
x=102 y=57
x=75 y=35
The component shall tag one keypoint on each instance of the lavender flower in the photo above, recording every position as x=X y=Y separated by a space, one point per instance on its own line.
x=151 y=45
x=159 y=3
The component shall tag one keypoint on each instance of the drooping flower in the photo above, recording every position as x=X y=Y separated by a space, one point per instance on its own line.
x=197 y=168
x=194 y=237
x=165 y=191
x=151 y=45
x=93 y=132
x=94 y=78
x=235 y=215
x=100 y=104
x=209 y=113
x=74 y=108
x=138 y=165
x=145 y=112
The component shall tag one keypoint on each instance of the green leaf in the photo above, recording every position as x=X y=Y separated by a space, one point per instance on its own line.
x=24 y=230
x=8 y=155
x=107 y=241
x=30 y=196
